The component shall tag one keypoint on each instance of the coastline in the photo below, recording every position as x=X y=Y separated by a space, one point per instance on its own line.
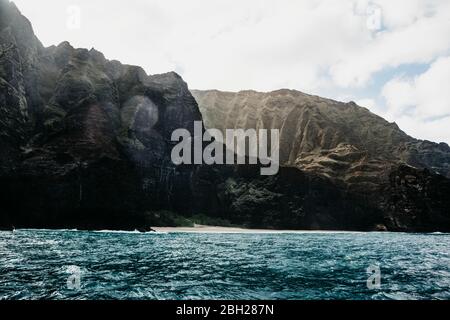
x=215 y=229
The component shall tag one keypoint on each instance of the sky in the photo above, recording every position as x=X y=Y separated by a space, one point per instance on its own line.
x=392 y=57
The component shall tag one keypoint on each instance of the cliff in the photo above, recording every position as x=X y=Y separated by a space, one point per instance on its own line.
x=86 y=141
x=337 y=140
x=86 y=144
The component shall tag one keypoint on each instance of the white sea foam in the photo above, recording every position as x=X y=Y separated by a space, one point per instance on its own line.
x=128 y=232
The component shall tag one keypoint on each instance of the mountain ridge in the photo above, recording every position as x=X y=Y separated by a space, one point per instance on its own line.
x=322 y=135
x=299 y=92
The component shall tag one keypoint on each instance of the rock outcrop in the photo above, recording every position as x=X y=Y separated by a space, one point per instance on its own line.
x=415 y=200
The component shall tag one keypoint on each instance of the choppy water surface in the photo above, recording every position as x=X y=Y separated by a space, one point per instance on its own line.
x=36 y=264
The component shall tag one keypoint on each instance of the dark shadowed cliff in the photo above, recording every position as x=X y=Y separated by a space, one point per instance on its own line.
x=86 y=144
x=85 y=140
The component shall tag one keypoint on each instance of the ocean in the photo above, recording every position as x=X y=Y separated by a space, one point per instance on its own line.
x=66 y=264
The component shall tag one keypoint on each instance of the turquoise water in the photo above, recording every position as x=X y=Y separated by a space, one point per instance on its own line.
x=36 y=264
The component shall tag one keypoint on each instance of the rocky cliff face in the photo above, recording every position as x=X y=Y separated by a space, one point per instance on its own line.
x=337 y=140
x=415 y=200
x=84 y=138
x=86 y=144
x=18 y=46
x=373 y=160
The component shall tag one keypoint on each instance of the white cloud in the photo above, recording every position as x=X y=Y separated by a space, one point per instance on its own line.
x=421 y=105
x=418 y=35
x=259 y=44
x=400 y=95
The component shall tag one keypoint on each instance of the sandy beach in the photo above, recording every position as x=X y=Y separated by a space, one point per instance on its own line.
x=212 y=229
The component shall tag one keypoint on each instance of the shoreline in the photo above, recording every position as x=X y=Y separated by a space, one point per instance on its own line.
x=215 y=229
x=196 y=229
x=204 y=229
